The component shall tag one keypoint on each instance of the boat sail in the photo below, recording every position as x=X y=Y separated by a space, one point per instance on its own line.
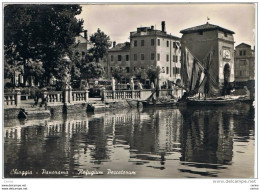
x=199 y=77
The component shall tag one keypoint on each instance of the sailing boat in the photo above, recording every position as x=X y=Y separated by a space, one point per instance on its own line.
x=200 y=82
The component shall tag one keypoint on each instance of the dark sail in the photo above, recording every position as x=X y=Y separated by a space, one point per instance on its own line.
x=198 y=77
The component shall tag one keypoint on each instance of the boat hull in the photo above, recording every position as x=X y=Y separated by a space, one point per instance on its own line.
x=211 y=102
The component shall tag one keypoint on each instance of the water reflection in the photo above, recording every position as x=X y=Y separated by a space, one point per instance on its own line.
x=212 y=142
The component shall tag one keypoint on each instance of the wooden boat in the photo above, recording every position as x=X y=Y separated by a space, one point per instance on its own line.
x=160 y=104
x=212 y=102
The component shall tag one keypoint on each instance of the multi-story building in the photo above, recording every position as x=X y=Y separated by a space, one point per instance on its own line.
x=117 y=56
x=148 y=47
x=82 y=45
x=151 y=47
x=244 y=64
x=206 y=38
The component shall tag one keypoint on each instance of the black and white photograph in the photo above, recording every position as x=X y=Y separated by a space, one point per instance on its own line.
x=129 y=90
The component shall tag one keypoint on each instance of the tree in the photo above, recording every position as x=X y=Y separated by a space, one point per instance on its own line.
x=101 y=43
x=141 y=74
x=153 y=73
x=120 y=73
x=35 y=34
x=91 y=70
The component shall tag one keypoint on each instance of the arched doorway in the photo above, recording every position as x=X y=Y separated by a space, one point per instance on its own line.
x=226 y=87
x=227 y=71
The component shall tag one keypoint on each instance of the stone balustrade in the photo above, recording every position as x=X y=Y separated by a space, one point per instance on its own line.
x=54 y=97
x=80 y=96
x=139 y=94
x=66 y=96
x=121 y=94
x=12 y=100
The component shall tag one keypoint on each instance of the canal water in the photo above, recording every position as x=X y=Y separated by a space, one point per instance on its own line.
x=212 y=142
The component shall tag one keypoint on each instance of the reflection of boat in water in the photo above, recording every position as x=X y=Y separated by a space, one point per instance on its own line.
x=202 y=86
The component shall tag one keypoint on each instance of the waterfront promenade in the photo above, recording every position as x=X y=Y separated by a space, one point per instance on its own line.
x=72 y=101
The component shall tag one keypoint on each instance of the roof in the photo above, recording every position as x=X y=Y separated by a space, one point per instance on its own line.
x=121 y=47
x=153 y=32
x=80 y=39
x=205 y=27
x=243 y=44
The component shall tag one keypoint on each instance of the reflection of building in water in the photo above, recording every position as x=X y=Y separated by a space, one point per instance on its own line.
x=207 y=137
x=169 y=130
x=151 y=135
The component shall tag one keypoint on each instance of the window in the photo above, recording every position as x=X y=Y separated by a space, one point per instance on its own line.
x=112 y=58
x=127 y=57
x=142 y=42
x=152 y=42
x=135 y=43
x=158 y=41
x=152 y=56
x=167 y=70
x=167 y=43
x=127 y=69
x=244 y=52
x=225 y=34
x=240 y=53
x=176 y=70
x=142 y=56
x=167 y=58
x=175 y=58
x=135 y=57
x=119 y=57
x=158 y=57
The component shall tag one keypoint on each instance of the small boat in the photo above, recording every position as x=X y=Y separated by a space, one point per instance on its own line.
x=160 y=104
x=212 y=102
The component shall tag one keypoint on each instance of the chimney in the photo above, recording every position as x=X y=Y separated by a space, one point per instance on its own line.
x=152 y=27
x=163 y=26
x=85 y=34
x=114 y=44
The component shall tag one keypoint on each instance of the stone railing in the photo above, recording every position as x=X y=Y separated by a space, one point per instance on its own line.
x=121 y=94
x=80 y=96
x=66 y=96
x=54 y=97
x=140 y=94
x=126 y=94
x=12 y=100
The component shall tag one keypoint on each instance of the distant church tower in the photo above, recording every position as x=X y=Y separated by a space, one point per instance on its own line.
x=200 y=40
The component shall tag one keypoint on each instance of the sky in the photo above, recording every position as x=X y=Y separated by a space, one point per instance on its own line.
x=118 y=20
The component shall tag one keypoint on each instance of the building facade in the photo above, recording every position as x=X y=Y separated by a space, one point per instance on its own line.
x=244 y=64
x=151 y=47
x=82 y=45
x=203 y=39
x=147 y=48
x=117 y=56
